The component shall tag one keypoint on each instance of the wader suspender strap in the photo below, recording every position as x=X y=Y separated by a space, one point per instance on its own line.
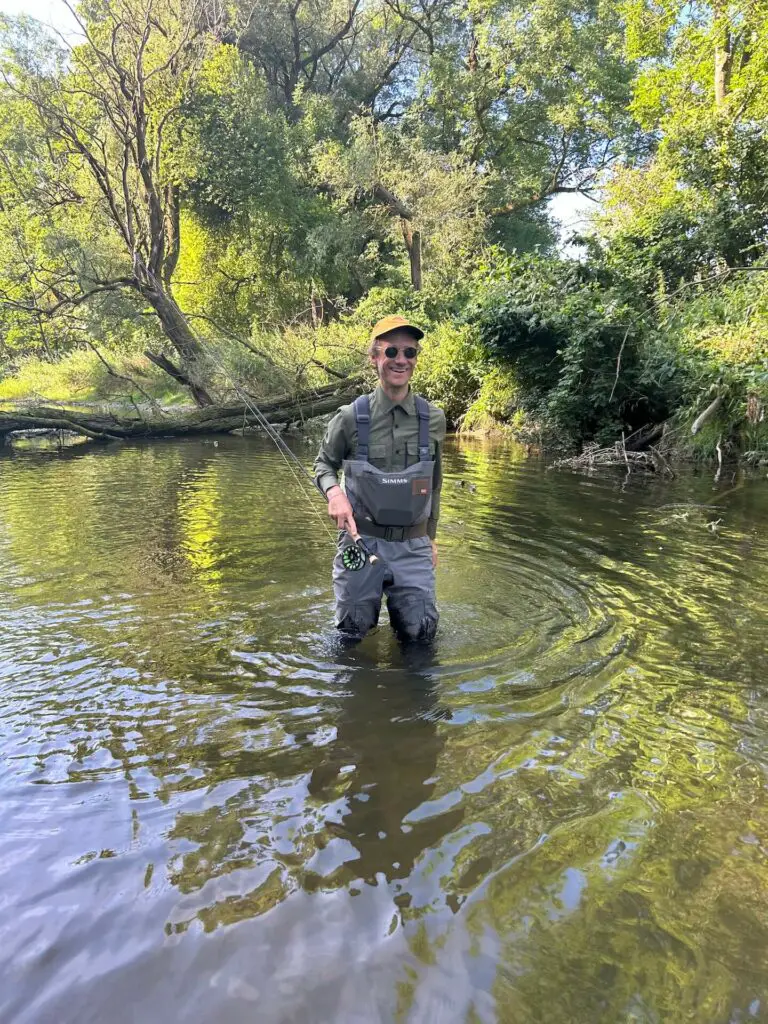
x=363 y=421
x=422 y=408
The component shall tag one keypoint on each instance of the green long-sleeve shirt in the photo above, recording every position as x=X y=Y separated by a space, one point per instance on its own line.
x=393 y=443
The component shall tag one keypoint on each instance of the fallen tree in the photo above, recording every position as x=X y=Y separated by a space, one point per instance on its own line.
x=111 y=426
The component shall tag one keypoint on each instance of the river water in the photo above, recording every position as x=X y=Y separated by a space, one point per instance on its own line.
x=209 y=811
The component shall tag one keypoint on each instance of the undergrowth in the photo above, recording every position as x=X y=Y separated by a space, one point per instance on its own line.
x=544 y=350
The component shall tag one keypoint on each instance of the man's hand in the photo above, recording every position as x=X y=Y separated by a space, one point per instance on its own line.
x=434 y=553
x=340 y=510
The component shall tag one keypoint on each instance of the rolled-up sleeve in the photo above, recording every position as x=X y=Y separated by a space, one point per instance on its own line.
x=333 y=451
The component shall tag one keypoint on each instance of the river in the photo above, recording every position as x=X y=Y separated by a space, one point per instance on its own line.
x=210 y=811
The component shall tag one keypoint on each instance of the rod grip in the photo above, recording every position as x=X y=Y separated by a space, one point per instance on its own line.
x=372 y=558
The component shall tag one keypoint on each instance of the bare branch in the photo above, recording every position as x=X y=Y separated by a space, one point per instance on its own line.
x=67 y=300
x=121 y=376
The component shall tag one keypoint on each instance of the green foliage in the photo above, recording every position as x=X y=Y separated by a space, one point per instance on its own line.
x=442 y=192
x=496 y=405
x=298 y=148
x=536 y=94
x=722 y=339
x=450 y=368
x=81 y=376
x=582 y=362
x=232 y=150
x=697 y=201
x=258 y=238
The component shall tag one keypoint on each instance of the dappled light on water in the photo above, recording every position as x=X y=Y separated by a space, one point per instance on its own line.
x=211 y=810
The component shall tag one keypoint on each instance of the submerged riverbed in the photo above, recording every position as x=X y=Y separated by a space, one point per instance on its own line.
x=210 y=811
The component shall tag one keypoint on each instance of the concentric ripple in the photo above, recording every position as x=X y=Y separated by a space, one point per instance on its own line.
x=212 y=810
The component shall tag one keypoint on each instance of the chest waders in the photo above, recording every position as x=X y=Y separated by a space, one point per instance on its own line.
x=391 y=511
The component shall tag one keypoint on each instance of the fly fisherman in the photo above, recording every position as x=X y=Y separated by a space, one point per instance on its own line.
x=388 y=445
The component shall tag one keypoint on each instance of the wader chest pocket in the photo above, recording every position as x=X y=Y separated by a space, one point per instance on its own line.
x=377 y=454
x=387 y=496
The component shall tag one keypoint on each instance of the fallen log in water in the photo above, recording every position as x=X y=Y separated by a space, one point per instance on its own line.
x=107 y=427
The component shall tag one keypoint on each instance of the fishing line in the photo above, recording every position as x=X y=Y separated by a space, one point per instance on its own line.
x=289 y=457
x=355 y=555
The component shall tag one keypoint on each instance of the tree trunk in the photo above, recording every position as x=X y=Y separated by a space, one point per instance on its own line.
x=413 y=245
x=723 y=67
x=200 y=395
x=412 y=238
x=181 y=336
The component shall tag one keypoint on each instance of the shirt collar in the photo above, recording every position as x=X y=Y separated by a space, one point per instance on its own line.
x=386 y=404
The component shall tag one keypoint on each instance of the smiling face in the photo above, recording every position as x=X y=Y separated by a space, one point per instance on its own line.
x=395 y=371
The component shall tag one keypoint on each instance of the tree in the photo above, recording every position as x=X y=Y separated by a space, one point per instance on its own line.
x=528 y=102
x=696 y=203
x=328 y=65
x=434 y=200
x=260 y=236
x=90 y=150
x=359 y=58
x=536 y=96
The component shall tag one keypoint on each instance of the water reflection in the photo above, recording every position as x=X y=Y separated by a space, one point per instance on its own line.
x=384 y=758
x=211 y=811
x=337 y=804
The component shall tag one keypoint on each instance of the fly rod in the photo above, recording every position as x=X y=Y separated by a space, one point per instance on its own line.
x=354 y=556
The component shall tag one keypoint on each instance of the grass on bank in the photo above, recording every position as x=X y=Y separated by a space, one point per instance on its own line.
x=81 y=377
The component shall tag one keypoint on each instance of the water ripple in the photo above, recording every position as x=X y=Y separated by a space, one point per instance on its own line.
x=211 y=810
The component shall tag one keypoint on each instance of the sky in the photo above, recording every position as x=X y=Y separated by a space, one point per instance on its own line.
x=50 y=12
x=572 y=211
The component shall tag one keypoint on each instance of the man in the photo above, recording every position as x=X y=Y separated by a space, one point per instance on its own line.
x=389 y=445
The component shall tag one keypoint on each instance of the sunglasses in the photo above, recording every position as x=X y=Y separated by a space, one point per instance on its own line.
x=410 y=352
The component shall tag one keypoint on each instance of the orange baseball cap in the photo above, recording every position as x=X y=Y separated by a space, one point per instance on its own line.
x=395 y=323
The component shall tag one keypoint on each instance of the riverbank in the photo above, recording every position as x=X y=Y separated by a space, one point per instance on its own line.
x=657 y=449
x=536 y=351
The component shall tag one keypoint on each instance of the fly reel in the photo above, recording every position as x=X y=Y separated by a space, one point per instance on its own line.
x=355 y=555
x=353 y=558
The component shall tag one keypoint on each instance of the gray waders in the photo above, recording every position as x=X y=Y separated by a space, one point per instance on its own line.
x=391 y=512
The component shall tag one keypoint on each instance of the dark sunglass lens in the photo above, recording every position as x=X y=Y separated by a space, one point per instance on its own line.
x=391 y=352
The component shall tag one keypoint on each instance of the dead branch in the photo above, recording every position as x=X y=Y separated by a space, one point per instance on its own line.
x=594 y=457
x=707 y=415
x=128 y=380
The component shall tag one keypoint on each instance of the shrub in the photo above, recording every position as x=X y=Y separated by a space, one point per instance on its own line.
x=496 y=404
x=586 y=365
x=450 y=368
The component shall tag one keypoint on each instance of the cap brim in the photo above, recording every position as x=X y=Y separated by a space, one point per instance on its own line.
x=418 y=334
